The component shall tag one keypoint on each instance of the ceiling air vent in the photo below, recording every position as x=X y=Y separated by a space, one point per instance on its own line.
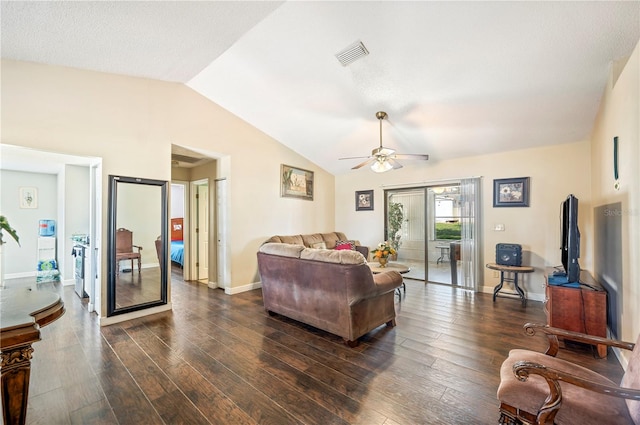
x=352 y=53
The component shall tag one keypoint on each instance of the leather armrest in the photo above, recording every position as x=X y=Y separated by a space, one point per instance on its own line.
x=387 y=281
x=553 y=402
x=364 y=250
x=553 y=334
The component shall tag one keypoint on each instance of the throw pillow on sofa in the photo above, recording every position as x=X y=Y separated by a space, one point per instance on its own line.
x=319 y=245
x=350 y=245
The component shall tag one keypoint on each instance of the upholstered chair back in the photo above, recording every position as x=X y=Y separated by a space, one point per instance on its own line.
x=631 y=379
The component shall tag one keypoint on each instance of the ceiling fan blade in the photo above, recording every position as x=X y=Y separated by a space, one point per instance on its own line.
x=362 y=164
x=395 y=164
x=355 y=157
x=410 y=156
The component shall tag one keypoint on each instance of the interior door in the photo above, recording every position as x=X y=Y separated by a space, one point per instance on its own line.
x=203 y=231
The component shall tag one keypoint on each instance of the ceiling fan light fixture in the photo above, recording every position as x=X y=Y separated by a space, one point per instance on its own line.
x=381 y=166
x=384 y=159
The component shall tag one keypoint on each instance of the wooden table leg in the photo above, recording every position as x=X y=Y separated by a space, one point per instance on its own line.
x=602 y=351
x=16 y=369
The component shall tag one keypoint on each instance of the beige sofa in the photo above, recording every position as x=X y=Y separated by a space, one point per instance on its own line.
x=314 y=240
x=329 y=289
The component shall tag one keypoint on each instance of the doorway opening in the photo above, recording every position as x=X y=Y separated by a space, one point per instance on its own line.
x=73 y=202
x=194 y=172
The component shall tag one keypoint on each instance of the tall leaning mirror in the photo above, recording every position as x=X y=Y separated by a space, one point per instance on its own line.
x=137 y=245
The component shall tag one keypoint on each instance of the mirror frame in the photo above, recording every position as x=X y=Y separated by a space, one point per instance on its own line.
x=111 y=244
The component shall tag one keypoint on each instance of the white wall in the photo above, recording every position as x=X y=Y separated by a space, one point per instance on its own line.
x=554 y=173
x=619 y=115
x=177 y=201
x=131 y=123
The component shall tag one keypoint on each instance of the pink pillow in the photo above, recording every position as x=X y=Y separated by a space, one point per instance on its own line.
x=345 y=245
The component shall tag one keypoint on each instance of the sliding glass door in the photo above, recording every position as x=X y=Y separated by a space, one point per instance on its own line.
x=405 y=228
x=434 y=231
x=444 y=232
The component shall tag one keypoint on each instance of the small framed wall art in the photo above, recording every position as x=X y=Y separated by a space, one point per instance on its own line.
x=364 y=200
x=511 y=192
x=28 y=197
x=296 y=182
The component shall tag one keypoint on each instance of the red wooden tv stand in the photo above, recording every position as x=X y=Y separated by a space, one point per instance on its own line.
x=582 y=309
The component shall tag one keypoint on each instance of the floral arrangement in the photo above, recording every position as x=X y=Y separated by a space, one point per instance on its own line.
x=383 y=250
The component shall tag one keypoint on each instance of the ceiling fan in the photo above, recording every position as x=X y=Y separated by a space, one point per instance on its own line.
x=384 y=159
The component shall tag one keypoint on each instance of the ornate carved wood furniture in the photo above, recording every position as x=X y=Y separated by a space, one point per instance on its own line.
x=125 y=249
x=538 y=388
x=23 y=312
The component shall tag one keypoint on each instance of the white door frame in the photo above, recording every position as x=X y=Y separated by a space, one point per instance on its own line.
x=223 y=262
x=95 y=238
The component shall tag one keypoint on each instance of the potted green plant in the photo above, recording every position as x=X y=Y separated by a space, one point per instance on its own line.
x=5 y=227
x=395 y=215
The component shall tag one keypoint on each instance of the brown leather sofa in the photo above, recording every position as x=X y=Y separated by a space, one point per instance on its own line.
x=311 y=241
x=331 y=290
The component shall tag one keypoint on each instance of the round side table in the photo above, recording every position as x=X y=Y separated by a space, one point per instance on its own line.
x=510 y=269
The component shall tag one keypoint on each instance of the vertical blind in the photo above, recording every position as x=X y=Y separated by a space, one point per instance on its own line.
x=470 y=249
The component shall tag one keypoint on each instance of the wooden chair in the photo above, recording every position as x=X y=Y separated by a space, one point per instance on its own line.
x=159 y=250
x=125 y=249
x=538 y=388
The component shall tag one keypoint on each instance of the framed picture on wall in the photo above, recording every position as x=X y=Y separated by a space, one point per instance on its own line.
x=512 y=192
x=296 y=182
x=28 y=197
x=364 y=200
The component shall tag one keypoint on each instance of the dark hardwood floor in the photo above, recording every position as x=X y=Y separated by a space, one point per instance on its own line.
x=135 y=287
x=219 y=359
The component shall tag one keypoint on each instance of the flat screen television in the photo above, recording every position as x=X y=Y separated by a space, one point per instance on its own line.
x=570 y=239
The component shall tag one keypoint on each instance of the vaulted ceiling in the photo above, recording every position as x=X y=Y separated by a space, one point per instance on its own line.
x=456 y=78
